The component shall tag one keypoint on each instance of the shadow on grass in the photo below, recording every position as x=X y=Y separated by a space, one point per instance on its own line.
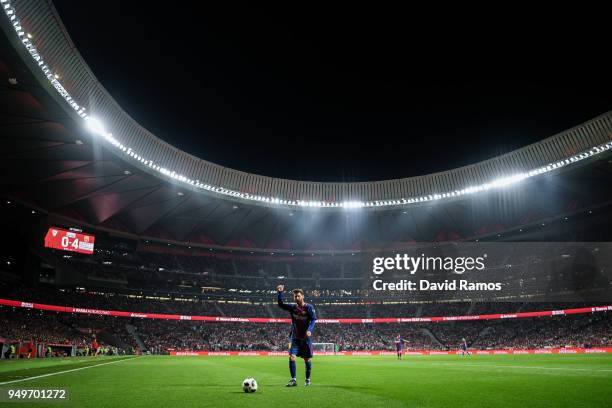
x=196 y=385
x=344 y=387
x=237 y=389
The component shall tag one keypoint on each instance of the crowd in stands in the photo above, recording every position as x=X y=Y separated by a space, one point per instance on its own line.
x=49 y=328
x=200 y=306
x=561 y=331
x=163 y=335
x=160 y=336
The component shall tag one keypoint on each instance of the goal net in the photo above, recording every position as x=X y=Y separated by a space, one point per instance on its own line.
x=324 y=347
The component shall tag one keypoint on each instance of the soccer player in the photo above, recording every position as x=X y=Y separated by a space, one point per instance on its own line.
x=303 y=318
x=94 y=347
x=399 y=346
x=464 y=348
x=10 y=352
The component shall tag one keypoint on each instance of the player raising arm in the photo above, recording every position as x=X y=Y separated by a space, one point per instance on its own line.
x=303 y=318
x=399 y=346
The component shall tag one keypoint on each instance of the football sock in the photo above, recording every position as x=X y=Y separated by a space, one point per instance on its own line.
x=292 y=368
x=308 y=368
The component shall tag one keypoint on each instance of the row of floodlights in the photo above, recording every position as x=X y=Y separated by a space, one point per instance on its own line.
x=51 y=76
x=97 y=128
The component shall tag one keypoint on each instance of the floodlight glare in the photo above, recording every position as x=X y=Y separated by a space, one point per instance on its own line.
x=95 y=126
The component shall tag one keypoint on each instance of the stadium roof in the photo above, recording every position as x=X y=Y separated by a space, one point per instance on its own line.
x=70 y=150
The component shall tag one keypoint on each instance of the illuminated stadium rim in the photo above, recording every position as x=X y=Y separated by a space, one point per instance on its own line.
x=223 y=319
x=98 y=129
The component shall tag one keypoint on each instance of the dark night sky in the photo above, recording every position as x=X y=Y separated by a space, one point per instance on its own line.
x=341 y=95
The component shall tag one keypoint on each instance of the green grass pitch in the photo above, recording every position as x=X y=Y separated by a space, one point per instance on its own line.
x=338 y=381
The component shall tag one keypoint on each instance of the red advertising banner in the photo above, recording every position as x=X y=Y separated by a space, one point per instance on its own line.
x=65 y=240
x=569 y=350
x=69 y=309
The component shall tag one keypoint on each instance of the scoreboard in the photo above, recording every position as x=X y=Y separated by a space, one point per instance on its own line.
x=66 y=240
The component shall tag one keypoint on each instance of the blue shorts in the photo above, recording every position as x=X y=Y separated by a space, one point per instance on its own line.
x=301 y=348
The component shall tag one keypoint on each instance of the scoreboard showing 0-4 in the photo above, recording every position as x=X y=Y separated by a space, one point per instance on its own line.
x=65 y=240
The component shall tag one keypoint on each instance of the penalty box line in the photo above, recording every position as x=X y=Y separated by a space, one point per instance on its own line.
x=66 y=371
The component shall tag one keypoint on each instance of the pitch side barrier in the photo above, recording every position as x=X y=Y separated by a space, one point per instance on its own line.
x=69 y=309
x=568 y=350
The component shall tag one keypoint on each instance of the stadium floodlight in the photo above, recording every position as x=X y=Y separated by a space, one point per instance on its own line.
x=506 y=181
x=352 y=204
x=95 y=126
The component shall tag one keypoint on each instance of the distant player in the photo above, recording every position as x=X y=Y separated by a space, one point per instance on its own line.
x=94 y=347
x=303 y=318
x=399 y=346
x=464 y=348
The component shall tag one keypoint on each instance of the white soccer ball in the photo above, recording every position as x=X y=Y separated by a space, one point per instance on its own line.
x=249 y=385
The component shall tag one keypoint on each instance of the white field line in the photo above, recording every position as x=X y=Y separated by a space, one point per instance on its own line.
x=65 y=371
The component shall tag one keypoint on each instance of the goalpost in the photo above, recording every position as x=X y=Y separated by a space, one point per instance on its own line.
x=324 y=347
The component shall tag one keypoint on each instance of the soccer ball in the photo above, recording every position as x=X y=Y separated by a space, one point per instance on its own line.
x=249 y=385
